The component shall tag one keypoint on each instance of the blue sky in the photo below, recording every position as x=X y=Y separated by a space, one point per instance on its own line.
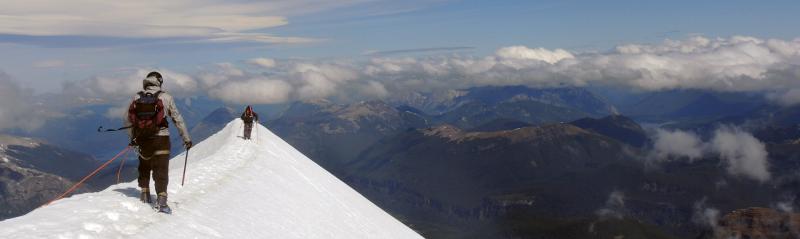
x=44 y=54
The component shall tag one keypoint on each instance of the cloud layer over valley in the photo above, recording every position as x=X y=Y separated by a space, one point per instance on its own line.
x=738 y=64
x=721 y=64
x=741 y=153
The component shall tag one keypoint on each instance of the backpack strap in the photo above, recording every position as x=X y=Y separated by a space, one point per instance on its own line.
x=159 y=102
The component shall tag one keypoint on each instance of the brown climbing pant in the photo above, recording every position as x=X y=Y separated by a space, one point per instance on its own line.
x=248 y=128
x=154 y=156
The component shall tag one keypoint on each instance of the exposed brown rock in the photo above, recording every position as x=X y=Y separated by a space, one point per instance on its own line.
x=757 y=222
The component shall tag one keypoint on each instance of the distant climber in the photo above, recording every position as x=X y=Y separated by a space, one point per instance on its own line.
x=248 y=116
x=147 y=116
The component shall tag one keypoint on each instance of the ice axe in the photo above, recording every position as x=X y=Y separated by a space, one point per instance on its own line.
x=185 y=161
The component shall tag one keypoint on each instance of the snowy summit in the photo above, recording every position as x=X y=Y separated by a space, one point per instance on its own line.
x=262 y=188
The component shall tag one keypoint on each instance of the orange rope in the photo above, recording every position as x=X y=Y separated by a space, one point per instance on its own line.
x=87 y=177
x=121 y=163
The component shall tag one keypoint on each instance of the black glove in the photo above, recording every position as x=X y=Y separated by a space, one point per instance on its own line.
x=187 y=144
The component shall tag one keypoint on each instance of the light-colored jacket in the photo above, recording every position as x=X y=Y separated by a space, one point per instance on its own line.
x=169 y=109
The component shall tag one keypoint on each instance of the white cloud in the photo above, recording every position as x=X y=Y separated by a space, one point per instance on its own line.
x=229 y=69
x=741 y=153
x=131 y=19
x=374 y=89
x=104 y=87
x=253 y=91
x=378 y=66
x=744 y=154
x=214 y=20
x=730 y=66
x=320 y=80
x=788 y=98
x=720 y=64
x=210 y=79
x=692 y=44
x=17 y=106
x=177 y=84
x=124 y=84
x=218 y=74
x=723 y=64
x=229 y=83
x=677 y=143
x=785 y=206
x=706 y=216
x=117 y=112
x=221 y=73
x=614 y=207
x=262 y=62
x=539 y=54
x=259 y=38
x=48 y=64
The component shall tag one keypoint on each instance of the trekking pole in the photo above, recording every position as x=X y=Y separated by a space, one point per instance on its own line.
x=100 y=129
x=87 y=177
x=185 y=161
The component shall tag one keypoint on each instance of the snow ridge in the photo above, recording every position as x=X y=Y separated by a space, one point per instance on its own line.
x=262 y=188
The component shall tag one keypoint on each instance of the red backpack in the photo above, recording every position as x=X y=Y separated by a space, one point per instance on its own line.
x=248 y=115
x=147 y=116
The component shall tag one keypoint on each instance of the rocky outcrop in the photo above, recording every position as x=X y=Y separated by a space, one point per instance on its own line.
x=757 y=223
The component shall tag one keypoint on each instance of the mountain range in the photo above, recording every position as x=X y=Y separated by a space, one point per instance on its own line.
x=519 y=162
x=33 y=172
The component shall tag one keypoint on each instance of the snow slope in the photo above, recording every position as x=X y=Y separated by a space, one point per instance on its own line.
x=234 y=188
